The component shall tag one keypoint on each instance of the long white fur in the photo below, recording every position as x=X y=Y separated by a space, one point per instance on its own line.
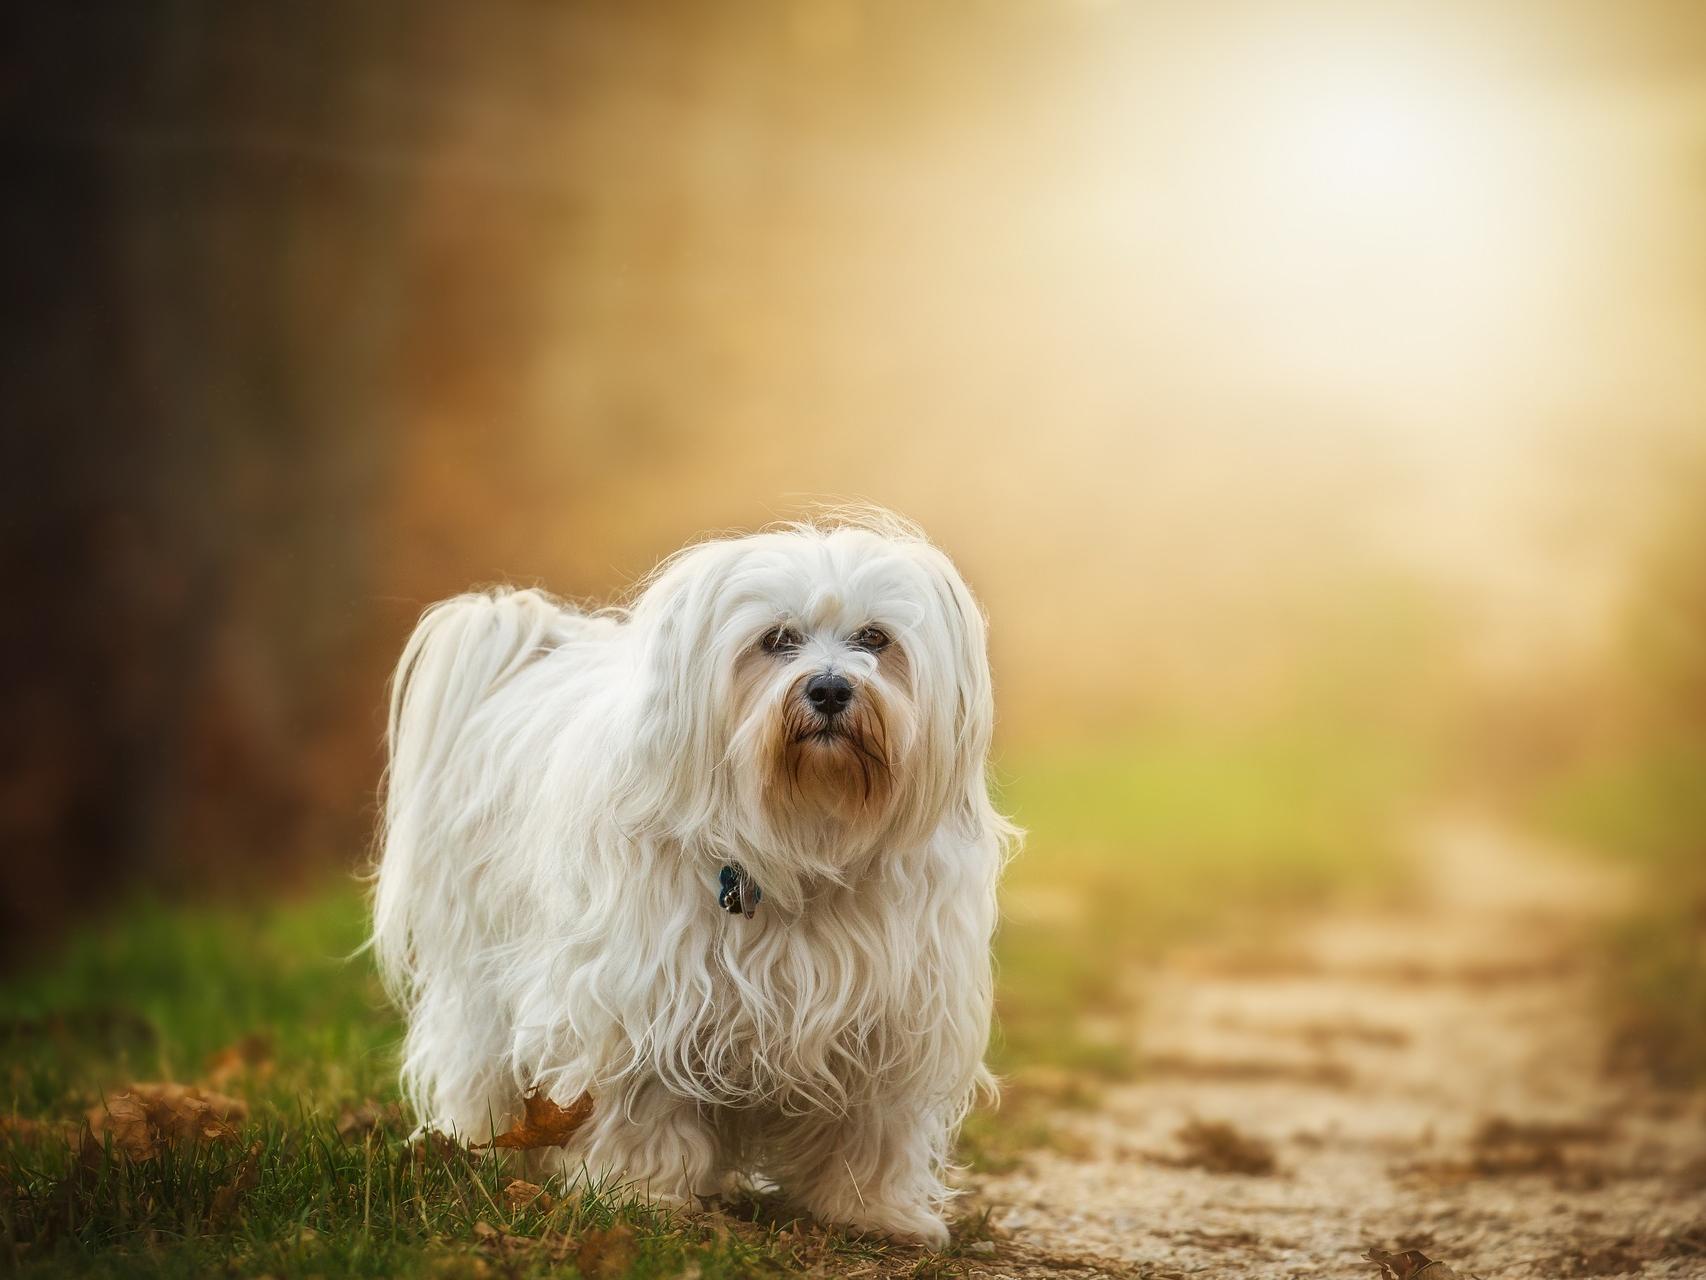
x=564 y=789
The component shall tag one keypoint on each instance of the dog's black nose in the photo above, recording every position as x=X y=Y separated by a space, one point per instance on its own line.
x=829 y=694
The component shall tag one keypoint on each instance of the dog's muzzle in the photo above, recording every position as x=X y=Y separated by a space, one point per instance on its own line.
x=829 y=695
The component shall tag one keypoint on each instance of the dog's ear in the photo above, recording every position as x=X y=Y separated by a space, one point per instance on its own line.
x=961 y=701
x=671 y=780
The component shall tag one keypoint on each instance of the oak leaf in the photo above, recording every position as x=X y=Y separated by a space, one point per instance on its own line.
x=544 y=1125
x=145 y=1117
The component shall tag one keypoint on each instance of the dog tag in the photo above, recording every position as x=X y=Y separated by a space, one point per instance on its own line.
x=738 y=894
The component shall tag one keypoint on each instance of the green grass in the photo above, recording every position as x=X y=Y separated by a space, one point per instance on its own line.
x=1132 y=848
x=154 y=993
x=154 y=990
x=1648 y=809
x=324 y=1205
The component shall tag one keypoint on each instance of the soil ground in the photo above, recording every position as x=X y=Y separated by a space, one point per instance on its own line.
x=1428 y=1077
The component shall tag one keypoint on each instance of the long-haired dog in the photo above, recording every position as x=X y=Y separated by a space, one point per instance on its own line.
x=726 y=860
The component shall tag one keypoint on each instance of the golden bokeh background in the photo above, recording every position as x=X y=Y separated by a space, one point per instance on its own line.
x=1255 y=360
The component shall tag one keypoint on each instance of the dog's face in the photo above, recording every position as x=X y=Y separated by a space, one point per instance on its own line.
x=817 y=688
x=821 y=710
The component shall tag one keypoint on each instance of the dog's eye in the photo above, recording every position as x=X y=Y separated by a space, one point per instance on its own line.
x=780 y=640
x=870 y=639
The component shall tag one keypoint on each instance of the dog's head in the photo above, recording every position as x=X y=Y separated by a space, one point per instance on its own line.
x=814 y=690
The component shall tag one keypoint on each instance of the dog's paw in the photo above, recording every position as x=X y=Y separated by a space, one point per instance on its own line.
x=902 y=1224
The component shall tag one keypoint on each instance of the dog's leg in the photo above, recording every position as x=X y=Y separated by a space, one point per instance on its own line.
x=649 y=1141
x=456 y=1068
x=874 y=1170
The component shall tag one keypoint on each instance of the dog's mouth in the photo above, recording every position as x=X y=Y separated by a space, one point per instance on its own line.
x=837 y=763
x=823 y=733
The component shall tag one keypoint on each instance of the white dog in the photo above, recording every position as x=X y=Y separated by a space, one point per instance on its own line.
x=725 y=860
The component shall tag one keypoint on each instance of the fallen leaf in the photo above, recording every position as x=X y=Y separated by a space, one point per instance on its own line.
x=1505 y=1148
x=251 y=1054
x=370 y=1116
x=143 y=1118
x=522 y=1195
x=604 y=1255
x=447 y=1149
x=1411 y=1264
x=1219 y=1148
x=186 y=1113
x=545 y=1124
x=124 y=1119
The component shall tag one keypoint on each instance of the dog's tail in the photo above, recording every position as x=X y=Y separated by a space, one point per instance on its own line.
x=461 y=651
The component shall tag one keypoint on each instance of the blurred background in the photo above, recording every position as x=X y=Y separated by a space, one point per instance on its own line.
x=1318 y=386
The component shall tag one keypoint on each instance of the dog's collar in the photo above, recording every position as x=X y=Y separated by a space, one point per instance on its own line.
x=738 y=894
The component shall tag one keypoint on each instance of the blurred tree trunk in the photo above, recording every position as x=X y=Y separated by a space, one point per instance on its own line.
x=200 y=317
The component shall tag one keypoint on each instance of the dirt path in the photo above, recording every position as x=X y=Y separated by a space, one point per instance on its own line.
x=1430 y=1079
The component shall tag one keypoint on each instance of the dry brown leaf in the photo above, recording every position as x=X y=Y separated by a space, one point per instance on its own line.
x=251 y=1054
x=144 y=1117
x=124 y=1119
x=358 y=1122
x=604 y=1255
x=545 y=1124
x=1412 y=1264
x=1505 y=1148
x=446 y=1149
x=1219 y=1148
x=522 y=1195
x=184 y=1112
